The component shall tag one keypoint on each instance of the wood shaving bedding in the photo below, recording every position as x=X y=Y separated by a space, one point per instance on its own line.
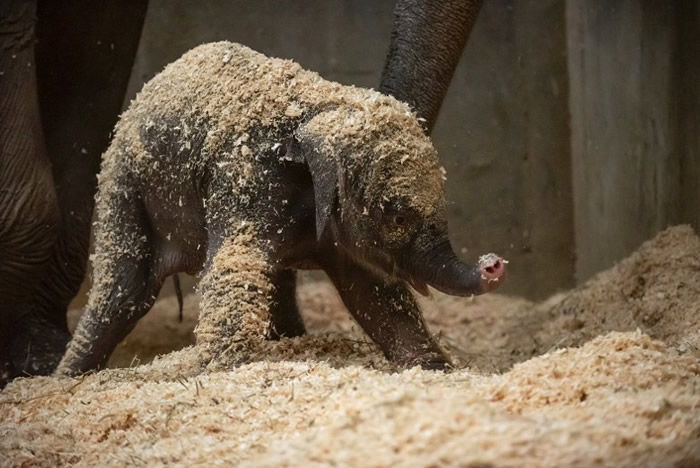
x=605 y=375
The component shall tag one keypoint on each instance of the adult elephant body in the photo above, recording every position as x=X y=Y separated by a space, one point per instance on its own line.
x=59 y=100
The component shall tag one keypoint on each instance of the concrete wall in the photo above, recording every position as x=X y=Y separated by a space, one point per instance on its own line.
x=635 y=101
x=503 y=131
x=503 y=137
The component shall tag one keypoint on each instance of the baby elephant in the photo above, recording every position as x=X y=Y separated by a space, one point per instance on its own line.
x=247 y=168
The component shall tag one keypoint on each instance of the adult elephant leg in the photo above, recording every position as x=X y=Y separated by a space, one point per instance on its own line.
x=28 y=210
x=426 y=42
x=85 y=52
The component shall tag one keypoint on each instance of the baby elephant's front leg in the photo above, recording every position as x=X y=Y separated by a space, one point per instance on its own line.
x=389 y=314
x=237 y=292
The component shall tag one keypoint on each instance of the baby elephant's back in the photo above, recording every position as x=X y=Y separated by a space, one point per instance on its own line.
x=193 y=113
x=212 y=96
x=227 y=88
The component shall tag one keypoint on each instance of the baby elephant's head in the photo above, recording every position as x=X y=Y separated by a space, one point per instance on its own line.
x=379 y=194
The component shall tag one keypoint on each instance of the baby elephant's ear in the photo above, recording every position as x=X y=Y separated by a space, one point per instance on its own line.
x=324 y=175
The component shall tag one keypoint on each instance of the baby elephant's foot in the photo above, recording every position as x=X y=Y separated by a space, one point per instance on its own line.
x=427 y=361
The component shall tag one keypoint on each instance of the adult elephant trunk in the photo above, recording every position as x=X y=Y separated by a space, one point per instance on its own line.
x=439 y=267
x=426 y=42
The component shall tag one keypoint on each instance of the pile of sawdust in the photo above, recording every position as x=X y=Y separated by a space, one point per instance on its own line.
x=608 y=374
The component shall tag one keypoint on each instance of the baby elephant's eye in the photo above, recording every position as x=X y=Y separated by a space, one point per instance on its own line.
x=398 y=226
x=398 y=220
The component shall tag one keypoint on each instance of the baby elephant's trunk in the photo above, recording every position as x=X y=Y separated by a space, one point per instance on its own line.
x=439 y=267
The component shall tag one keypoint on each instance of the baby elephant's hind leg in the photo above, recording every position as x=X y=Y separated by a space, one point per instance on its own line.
x=125 y=285
x=284 y=313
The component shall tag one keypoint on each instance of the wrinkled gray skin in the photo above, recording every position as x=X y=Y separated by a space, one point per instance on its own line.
x=59 y=100
x=47 y=182
x=426 y=42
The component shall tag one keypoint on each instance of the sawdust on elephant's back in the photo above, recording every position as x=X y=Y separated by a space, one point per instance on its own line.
x=234 y=90
x=237 y=89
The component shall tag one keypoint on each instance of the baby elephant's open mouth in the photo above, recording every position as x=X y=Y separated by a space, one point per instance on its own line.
x=420 y=286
